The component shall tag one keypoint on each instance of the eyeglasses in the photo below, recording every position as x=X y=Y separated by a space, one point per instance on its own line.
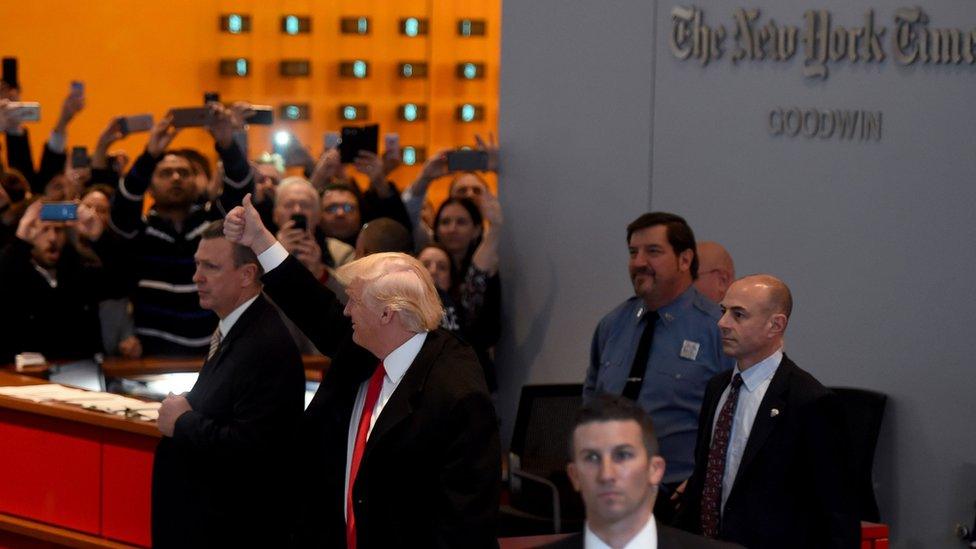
x=167 y=173
x=336 y=208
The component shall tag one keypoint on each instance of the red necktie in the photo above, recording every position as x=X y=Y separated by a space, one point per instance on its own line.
x=712 y=493
x=372 y=395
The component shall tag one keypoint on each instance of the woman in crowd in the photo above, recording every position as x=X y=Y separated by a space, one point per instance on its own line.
x=475 y=285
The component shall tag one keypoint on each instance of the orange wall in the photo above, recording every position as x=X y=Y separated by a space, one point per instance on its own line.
x=148 y=56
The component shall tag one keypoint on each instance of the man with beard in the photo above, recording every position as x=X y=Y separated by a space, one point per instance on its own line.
x=50 y=293
x=158 y=248
x=660 y=347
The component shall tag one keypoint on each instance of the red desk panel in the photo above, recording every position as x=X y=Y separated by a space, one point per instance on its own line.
x=126 y=486
x=50 y=470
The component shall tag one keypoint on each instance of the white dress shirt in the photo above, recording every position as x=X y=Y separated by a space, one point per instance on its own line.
x=396 y=364
x=228 y=321
x=755 y=382
x=645 y=539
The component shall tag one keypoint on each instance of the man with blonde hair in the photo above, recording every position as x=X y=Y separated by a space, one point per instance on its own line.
x=401 y=433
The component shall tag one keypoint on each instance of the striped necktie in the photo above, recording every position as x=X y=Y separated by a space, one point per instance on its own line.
x=214 y=343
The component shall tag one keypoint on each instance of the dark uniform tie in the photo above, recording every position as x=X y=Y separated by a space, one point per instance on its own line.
x=639 y=367
x=712 y=493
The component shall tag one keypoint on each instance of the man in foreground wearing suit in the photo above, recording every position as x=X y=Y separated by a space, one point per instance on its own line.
x=220 y=476
x=616 y=466
x=402 y=433
x=772 y=466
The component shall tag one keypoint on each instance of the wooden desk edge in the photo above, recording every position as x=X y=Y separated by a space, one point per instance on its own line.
x=62 y=536
x=69 y=412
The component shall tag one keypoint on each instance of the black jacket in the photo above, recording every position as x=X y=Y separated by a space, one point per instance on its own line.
x=227 y=478
x=430 y=472
x=60 y=322
x=793 y=488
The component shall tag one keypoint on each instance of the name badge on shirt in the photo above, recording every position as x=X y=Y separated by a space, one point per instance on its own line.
x=689 y=350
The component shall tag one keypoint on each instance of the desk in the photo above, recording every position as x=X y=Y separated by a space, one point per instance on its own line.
x=315 y=366
x=78 y=477
x=73 y=476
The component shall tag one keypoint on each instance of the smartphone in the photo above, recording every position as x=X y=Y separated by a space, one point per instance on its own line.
x=210 y=96
x=59 y=211
x=331 y=140
x=467 y=160
x=77 y=87
x=190 y=117
x=136 y=123
x=358 y=138
x=80 y=158
x=301 y=222
x=263 y=115
x=10 y=72
x=391 y=142
x=26 y=111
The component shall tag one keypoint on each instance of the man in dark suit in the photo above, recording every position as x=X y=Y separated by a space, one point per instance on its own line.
x=771 y=465
x=615 y=464
x=221 y=476
x=402 y=432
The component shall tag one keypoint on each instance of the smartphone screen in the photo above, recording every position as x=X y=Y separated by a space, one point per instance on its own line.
x=59 y=211
x=331 y=140
x=467 y=161
x=26 y=111
x=136 y=123
x=301 y=222
x=190 y=117
x=80 y=158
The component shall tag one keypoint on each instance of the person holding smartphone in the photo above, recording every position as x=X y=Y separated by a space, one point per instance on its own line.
x=157 y=250
x=49 y=289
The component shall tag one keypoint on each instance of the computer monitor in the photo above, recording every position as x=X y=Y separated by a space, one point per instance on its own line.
x=86 y=374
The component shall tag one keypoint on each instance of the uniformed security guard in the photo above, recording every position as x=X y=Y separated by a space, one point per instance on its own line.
x=661 y=346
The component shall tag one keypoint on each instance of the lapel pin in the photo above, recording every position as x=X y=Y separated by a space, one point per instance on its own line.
x=774 y=412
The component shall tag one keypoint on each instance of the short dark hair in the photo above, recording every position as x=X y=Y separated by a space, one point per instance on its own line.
x=346 y=187
x=242 y=254
x=386 y=235
x=680 y=235
x=605 y=407
x=100 y=188
x=195 y=158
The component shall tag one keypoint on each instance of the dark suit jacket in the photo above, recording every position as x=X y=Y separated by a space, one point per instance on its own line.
x=431 y=468
x=667 y=538
x=225 y=478
x=793 y=486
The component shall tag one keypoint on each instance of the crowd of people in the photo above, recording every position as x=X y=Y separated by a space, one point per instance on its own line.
x=693 y=415
x=119 y=279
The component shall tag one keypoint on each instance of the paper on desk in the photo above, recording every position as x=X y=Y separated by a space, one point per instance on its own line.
x=91 y=400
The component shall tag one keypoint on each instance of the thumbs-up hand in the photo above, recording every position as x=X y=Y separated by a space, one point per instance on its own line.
x=243 y=226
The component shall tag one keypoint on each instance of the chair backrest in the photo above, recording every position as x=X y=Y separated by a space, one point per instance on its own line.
x=543 y=425
x=865 y=411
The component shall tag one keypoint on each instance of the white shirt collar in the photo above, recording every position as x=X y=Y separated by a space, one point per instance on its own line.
x=228 y=321
x=760 y=371
x=397 y=362
x=645 y=539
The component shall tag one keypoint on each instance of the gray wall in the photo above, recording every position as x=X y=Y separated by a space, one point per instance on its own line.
x=875 y=238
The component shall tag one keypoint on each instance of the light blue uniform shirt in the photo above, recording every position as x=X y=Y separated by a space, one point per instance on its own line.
x=755 y=382
x=685 y=354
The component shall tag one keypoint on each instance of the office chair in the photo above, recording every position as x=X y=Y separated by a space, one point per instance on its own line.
x=865 y=410
x=542 y=500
